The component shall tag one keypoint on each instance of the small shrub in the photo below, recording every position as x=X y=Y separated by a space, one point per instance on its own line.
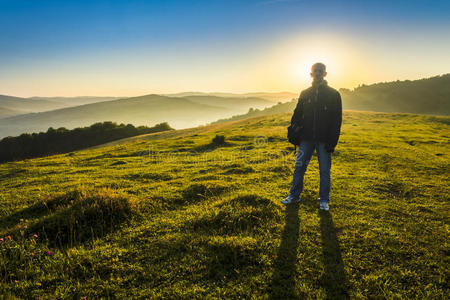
x=218 y=140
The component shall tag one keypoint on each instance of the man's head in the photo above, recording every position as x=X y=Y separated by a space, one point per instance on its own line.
x=318 y=71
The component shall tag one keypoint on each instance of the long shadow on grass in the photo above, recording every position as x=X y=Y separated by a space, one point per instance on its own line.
x=211 y=146
x=37 y=210
x=334 y=280
x=72 y=218
x=283 y=280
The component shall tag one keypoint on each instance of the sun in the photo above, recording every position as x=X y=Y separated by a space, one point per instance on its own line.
x=310 y=50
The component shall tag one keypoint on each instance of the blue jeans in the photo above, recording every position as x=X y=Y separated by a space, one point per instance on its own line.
x=305 y=151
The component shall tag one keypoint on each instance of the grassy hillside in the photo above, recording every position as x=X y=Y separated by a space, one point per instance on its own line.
x=180 y=217
x=424 y=96
x=180 y=112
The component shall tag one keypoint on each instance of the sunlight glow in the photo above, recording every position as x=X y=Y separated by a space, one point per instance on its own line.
x=306 y=61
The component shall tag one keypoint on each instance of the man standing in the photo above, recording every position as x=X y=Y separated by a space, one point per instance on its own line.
x=319 y=114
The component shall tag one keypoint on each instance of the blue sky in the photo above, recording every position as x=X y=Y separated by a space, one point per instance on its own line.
x=137 y=47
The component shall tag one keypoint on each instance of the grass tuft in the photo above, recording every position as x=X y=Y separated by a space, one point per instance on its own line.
x=77 y=216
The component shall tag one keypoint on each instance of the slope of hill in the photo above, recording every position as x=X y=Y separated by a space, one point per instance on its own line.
x=231 y=103
x=287 y=107
x=17 y=105
x=12 y=106
x=62 y=140
x=180 y=217
x=424 y=96
x=180 y=112
x=8 y=112
x=74 y=101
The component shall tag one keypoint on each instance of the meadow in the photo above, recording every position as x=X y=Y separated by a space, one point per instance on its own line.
x=176 y=215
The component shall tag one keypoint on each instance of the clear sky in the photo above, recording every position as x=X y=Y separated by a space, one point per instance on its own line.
x=128 y=48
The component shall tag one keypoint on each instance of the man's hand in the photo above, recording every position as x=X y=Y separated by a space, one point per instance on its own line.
x=329 y=148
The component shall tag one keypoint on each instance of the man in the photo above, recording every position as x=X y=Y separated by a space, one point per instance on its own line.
x=319 y=112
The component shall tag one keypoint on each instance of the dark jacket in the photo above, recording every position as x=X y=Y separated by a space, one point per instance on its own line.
x=319 y=111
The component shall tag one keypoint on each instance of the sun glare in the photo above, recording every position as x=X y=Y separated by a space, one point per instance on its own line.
x=301 y=52
x=305 y=63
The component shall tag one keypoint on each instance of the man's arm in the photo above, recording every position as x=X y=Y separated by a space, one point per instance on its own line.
x=298 y=111
x=335 y=126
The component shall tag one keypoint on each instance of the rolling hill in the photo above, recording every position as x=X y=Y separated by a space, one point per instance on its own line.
x=74 y=101
x=231 y=103
x=424 y=96
x=8 y=112
x=11 y=106
x=15 y=105
x=427 y=96
x=172 y=215
x=179 y=112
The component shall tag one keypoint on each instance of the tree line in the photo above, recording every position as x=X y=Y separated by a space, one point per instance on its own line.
x=62 y=140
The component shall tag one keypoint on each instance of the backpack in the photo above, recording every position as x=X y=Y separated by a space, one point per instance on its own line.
x=294 y=134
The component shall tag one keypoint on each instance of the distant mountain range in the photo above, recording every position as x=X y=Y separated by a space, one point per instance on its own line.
x=11 y=106
x=274 y=97
x=182 y=110
x=179 y=112
x=73 y=101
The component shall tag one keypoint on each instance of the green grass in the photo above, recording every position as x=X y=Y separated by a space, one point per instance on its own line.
x=174 y=215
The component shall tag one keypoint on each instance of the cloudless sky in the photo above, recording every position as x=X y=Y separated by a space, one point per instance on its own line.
x=128 y=48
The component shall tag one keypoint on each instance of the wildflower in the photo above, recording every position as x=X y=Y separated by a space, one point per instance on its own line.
x=1 y=240
x=35 y=235
x=49 y=252
x=9 y=237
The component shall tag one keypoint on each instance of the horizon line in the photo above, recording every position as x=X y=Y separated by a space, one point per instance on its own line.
x=214 y=92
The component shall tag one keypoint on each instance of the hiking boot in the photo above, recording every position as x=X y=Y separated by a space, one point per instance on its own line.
x=289 y=199
x=324 y=205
